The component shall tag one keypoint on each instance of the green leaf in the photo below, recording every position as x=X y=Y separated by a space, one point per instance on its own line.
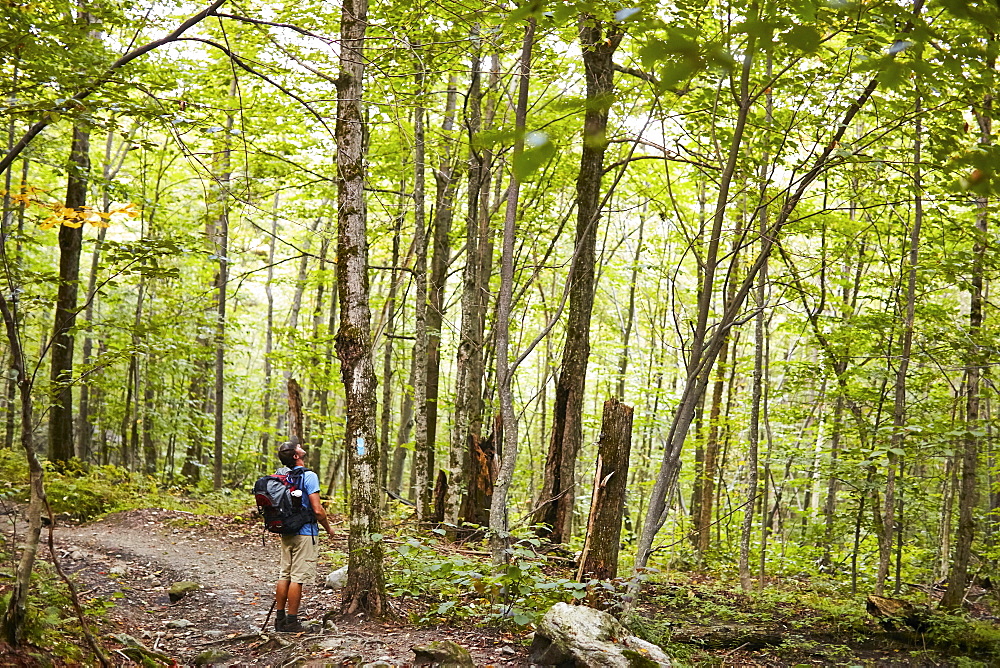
x=533 y=157
x=803 y=38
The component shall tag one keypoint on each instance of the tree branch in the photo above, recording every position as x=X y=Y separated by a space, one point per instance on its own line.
x=33 y=131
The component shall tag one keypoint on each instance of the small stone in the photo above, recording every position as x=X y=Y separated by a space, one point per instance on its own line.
x=179 y=623
x=212 y=656
x=179 y=590
x=77 y=556
x=507 y=649
x=444 y=653
x=117 y=570
x=214 y=633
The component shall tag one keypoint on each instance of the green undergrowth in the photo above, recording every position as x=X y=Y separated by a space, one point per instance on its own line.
x=52 y=632
x=814 y=623
x=447 y=585
x=86 y=492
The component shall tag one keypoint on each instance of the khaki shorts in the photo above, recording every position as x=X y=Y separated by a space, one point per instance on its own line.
x=298 y=559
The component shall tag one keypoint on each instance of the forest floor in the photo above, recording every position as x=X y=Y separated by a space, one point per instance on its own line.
x=132 y=558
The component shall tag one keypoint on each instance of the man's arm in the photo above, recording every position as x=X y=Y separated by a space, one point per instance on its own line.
x=319 y=511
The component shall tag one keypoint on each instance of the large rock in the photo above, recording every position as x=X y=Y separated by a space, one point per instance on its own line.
x=582 y=637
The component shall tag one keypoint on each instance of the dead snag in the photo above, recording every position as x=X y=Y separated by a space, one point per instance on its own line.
x=604 y=527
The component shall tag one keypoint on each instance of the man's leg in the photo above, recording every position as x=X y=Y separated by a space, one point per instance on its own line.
x=293 y=597
x=281 y=595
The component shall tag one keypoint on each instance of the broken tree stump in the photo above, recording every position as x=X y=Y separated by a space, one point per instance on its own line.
x=599 y=558
x=891 y=611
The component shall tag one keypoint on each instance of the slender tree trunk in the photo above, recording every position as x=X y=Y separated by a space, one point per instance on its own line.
x=757 y=387
x=15 y=262
x=365 y=589
x=15 y=615
x=403 y=434
x=630 y=316
x=390 y=331
x=265 y=432
x=423 y=453
x=61 y=447
x=499 y=527
x=599 y=43
x=895 y=453
x=444 y=212
x=467 y=382
x=958 y=576
x=148 y=412
x=222 y=201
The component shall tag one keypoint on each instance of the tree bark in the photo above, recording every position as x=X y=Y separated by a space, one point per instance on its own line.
x=599 y=558
x=499 y=526
x=423 y=452
x=61 y=446
x=466 y=416
x=265 y=431
x=557 y=497
x=12 y=624
x=896 y=443
x=222 y=252
x=444 y=213
x=365 y=588
x=977 y=356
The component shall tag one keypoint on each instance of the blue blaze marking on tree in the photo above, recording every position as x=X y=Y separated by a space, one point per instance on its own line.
x=361 y=446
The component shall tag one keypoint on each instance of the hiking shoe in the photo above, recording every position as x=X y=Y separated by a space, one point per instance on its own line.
x=279 y=625
x=292 y=627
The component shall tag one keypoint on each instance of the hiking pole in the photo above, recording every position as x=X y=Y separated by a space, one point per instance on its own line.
x=268 y=618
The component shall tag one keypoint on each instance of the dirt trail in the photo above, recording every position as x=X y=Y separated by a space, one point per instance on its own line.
x=134 y=557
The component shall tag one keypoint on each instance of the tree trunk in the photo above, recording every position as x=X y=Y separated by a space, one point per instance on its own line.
x=895 y=452
x=148 y=411
x=113 y=161
x=403 y=435
x=499 y=526
x=444 y=214
x=977 y=356
x=365 y=589
x=423 y=452
x=12 y=624
x=630 y=316
x=599 y=558
x=390 y=332
x=61 y=446
x=466 y=416
x=483 y=472
x=558 y=493
x=222 y=252
x=757 y=388
x=265 y=432
x=12 y=408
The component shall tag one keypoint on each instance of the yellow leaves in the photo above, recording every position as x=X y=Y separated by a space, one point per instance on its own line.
x=118 y=212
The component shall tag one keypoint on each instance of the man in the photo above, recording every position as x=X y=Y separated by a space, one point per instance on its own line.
x=298 y=551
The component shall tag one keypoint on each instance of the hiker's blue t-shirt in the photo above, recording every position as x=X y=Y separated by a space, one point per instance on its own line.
x=310 y=485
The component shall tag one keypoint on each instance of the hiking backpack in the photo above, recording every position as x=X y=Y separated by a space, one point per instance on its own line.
x=282 y=510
